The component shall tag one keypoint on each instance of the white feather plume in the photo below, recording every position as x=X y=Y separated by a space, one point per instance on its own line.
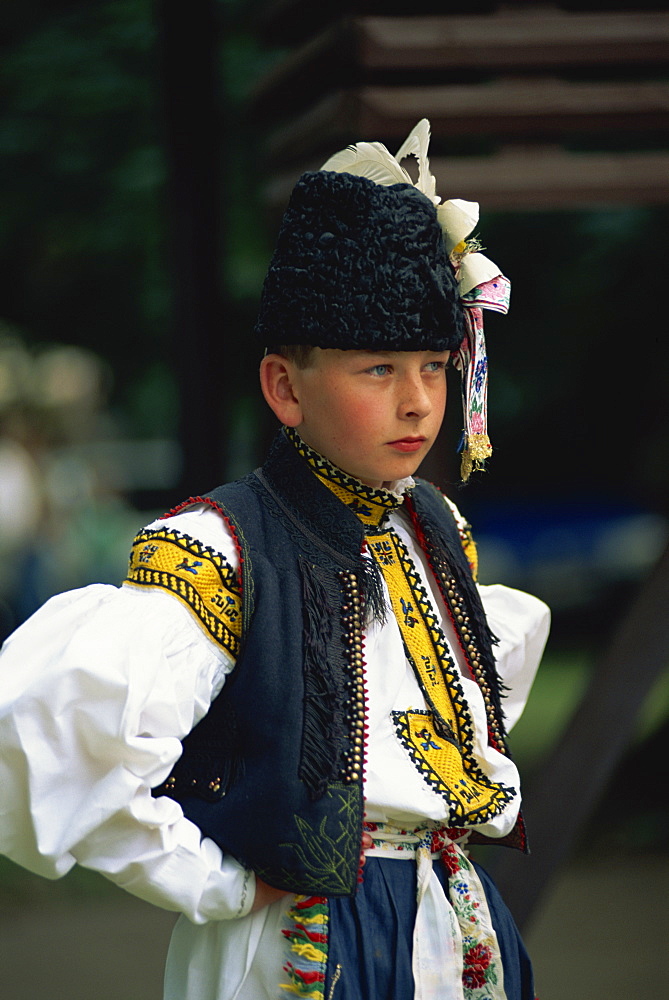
x=371 y=160
x=457 y=217
x=417 y=144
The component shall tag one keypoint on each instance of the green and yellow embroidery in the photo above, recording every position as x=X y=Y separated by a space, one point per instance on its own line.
x=306 y=934
x=196 y=575
x=326 y=852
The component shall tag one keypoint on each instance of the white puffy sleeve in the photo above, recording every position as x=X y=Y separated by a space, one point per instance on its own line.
x=521 y=623
x=96 y=690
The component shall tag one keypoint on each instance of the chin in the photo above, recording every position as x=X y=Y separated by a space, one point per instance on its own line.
x=400 y=472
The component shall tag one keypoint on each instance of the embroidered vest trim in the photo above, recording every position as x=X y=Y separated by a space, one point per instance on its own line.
x=198 y=576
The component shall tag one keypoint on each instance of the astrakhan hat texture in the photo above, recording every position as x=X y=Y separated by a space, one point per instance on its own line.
x=359 y=265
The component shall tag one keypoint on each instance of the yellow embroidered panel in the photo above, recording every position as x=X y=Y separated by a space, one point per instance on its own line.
x=440 y=741
x=196 y=575
x=368 y=504
x=441 y=763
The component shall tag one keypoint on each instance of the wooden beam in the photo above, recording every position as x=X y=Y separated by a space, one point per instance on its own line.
x=378 y=49
x=288 y=22
x=540 y=178
x=519 y=109
x=532 y=178
x=572 y=782
x=192 y=130
x=515 y=39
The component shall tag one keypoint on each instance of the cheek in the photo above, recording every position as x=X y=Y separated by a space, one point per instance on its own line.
x=362 y=416
x=439 y=401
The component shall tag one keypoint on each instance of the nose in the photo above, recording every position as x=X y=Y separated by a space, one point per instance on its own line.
x=414 y=401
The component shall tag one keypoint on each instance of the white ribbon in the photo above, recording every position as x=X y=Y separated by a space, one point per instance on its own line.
x=437 y=942
x=438 y=952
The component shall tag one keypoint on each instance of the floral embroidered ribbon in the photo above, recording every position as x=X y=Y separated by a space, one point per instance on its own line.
x=454 y=931
x=471 y=360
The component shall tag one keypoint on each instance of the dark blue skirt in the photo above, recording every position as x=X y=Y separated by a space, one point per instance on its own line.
x=370 y=936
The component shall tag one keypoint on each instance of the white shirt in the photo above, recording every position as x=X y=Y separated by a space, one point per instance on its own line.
x=98 y=688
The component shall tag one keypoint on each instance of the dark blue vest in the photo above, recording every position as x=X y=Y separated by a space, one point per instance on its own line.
x=273 y=773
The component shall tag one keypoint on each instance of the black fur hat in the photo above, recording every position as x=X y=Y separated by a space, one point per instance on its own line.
x=360 y=265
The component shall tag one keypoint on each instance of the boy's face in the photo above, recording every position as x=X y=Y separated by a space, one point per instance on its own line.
x=373 y=414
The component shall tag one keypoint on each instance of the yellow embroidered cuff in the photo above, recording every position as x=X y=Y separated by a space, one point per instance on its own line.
x=197 y=575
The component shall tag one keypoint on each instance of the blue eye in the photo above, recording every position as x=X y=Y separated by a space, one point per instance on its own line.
x=379 y=370
x=435 y=366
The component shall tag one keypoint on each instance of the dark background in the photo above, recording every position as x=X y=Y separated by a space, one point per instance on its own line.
x=92 y=256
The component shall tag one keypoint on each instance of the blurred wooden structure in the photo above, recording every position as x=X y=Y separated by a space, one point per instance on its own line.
x=532 y=105
x=563 y=796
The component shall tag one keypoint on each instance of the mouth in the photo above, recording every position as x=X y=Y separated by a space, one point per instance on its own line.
x=407 y=444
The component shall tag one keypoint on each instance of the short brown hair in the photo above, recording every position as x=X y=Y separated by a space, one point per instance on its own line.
x=299 y=354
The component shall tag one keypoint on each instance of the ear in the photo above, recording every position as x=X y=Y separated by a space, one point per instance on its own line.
x=277 y=381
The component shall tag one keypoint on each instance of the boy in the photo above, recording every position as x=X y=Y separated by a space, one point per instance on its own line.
x=288 y=723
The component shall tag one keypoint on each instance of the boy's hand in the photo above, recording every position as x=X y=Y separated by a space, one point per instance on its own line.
x=266 y=894
x=367 y=842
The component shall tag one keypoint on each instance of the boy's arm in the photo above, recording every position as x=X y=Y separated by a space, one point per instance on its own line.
x=520 y=622
x=96 y=691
